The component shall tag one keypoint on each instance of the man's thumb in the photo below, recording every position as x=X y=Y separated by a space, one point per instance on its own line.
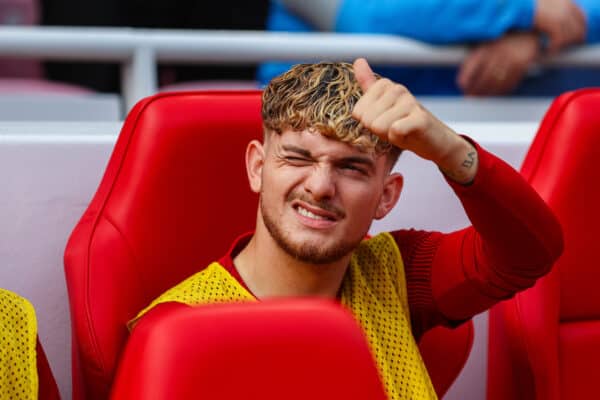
x=363 y=73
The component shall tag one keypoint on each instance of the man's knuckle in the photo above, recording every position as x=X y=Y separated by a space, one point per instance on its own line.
x=378 y=126
x=421 y=117
x=367 y=120
x=402 y=88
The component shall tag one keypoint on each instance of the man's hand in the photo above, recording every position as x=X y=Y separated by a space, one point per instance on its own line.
x=563 y=22
x=497 y=67
x=391 y=112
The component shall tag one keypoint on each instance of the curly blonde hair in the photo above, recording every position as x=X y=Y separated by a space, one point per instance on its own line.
x=320 y=97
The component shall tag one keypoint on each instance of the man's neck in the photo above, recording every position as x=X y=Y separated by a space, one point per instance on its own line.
x=268 y=271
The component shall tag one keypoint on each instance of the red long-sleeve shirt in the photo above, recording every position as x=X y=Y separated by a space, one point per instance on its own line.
x=514 y=239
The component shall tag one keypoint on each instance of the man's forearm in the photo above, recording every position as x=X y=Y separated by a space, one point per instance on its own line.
x=518 y=233
x=461 y=163
x=514 y=239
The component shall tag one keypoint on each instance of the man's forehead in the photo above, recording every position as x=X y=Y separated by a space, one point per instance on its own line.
x=317 y=143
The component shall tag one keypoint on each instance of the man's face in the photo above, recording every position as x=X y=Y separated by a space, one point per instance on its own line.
x=318 y=196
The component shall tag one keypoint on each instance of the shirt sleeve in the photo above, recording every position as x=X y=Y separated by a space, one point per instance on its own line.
x=436 y=21
x=591 y=10
x=514 y=239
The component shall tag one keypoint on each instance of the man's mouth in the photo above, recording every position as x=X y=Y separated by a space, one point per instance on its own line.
x=304 y=212
x=315 y=213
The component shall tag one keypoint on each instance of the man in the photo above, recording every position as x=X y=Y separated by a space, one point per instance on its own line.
x=508 y=38
x=324 y=171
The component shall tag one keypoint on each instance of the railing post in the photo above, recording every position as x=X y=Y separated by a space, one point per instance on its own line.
x=138 y=76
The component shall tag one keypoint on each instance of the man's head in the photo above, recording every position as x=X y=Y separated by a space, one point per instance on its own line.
x=320 y=97
x=322 y=177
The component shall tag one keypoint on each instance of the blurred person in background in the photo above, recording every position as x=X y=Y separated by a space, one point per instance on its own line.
x=507 y=38
x=159 y=14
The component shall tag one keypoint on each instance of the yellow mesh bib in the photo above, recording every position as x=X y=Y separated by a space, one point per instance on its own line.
x=18 y=363
x=374 y=289
x=211 y=285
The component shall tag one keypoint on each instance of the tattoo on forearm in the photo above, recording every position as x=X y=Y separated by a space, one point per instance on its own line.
x=464 y=172
x=468 y=163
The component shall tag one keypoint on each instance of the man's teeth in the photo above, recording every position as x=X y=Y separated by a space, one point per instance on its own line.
x=306 y=213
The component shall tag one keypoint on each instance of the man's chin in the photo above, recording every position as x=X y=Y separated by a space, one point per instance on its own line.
x=311 y=246
x=316 y=251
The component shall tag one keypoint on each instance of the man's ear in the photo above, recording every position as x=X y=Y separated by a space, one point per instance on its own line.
x=390 y=195
x=255 y=159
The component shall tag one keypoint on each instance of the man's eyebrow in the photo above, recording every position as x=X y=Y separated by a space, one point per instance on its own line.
x=368 y=162
x=296 y=149
x=358 y=160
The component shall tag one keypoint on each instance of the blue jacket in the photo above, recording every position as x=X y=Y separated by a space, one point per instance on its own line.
x=435 y=22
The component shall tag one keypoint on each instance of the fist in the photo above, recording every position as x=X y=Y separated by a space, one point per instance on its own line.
x=497 y=67
x=392 y=113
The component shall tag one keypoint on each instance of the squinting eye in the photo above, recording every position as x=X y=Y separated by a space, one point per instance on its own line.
x=351 y=167
x=297 y=160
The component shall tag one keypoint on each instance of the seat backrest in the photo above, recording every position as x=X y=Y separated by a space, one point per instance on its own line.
x=154 y=219
x=545 y=342
x=294 y=349
x=172 y=199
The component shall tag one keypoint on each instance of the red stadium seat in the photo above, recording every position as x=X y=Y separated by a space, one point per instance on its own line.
x=285 y=349
x=172 y=199
x=545 y=342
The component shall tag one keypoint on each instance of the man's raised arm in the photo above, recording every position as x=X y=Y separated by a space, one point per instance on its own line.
x=514 y=238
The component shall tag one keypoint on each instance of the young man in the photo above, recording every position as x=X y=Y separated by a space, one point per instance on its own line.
x=324 y=171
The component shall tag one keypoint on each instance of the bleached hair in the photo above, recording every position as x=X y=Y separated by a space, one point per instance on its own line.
x=320 y=97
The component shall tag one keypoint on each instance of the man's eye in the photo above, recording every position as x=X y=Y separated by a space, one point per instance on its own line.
x=297 y=160
x=353 y=168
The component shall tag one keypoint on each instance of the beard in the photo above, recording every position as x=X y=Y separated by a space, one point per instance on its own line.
x=307 y=252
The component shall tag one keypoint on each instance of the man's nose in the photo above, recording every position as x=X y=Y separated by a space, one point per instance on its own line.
x=321 y=183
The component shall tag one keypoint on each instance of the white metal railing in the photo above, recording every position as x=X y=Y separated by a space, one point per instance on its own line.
x=139 y=50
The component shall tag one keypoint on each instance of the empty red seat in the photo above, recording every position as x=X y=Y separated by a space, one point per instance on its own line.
x=545 y=342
